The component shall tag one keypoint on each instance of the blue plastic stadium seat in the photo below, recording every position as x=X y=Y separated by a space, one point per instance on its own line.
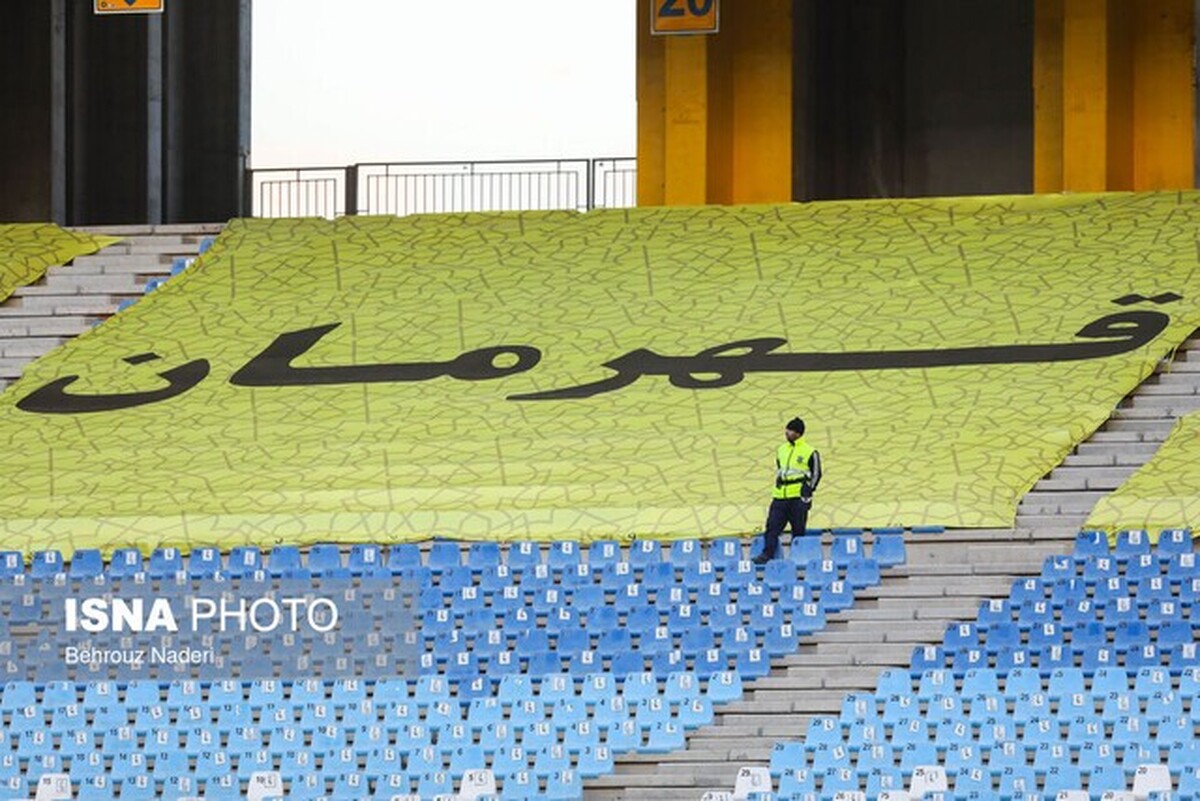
x=1184 y=658
x=403 y=558
x=1058 y=567
x=125 y=562
x=325 y=560
x=725 y=552
x=926 y=657
x=444 y=555
x=165 y=563
x=847 y=546
x=644 y=552
x=46 y=564
x=204 y=563
x=1100 y=568
x=1182 y=568
x=1142 y=567
x=802 y=550
x=1132 y=542
x=863 y=573
x=243 y=561
x=563 y=557
x=797 y=783
x=12 y=563
x=603 y=554
x=1174 y=540
x=523 y=555
x=1091 y=542
x=483 y=555
x=888 y=549
x=686 y=552
x=1027 y=590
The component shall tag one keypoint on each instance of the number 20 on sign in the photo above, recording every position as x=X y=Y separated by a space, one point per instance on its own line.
x=684 y=16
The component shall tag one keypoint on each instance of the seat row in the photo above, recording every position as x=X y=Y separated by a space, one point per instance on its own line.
x=1072 y=679
x=1025 y=682
x=332 y=560
x=1149 y=782
x=474 y=786
x=423 y=692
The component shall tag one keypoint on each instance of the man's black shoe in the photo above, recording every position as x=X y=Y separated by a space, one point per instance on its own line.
x=762 y=559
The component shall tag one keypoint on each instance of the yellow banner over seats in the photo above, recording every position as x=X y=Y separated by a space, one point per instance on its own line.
x=1163 y=493
x=616 y=373
x=27 y=250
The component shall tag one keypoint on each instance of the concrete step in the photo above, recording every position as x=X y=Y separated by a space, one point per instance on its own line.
x=1176 y=387
x=85 y=285
x=1080 y=482
x=1095 y=472
x=1053 y=525
x=193 y=230
x=152 y=246
x=12 y=366
x=1159 y=408
x=1071 y=503
x=59 y=305
x=13 y=327
x=28 y=347
x=1153 y=425
x=1117 y=437
x=103 y=264
x=1128 y=457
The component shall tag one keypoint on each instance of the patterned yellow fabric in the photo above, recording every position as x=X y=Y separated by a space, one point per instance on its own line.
x=1002 y=309
x=27 y=250
x=1163 y=493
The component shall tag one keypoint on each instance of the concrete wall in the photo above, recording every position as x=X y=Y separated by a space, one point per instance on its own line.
x=913 y=98
x=25 y=112
x=151 y=112
x=106 y=117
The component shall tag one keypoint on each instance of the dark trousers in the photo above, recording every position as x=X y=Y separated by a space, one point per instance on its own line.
x=784 y=511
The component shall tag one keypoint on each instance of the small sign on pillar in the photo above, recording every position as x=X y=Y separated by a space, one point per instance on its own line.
x=673 y=17
x=128 y=6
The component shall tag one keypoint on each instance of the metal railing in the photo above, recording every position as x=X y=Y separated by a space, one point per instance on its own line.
x=442 y=187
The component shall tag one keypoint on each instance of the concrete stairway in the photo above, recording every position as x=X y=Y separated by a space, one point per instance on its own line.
x=72 y=298
x=947 y=577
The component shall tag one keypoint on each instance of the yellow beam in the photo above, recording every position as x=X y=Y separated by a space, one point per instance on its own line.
x=651 y=111
x=686 y=139
x=761 y=34
x=1119 y=103
x=1048 y=96
x=721 y=99
x=1163 y=98
x=1085 y=95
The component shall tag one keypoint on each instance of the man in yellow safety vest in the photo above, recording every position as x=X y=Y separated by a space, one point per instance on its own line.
x=797 y=474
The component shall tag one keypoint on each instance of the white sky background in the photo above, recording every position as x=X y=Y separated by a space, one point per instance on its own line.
x=337 y=82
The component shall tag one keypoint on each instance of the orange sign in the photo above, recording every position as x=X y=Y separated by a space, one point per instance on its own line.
x=128 y=6
x=684 y=16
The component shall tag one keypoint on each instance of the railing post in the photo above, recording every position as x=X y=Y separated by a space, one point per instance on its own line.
x=247 y=204
x=591 y=184
x=351 y=190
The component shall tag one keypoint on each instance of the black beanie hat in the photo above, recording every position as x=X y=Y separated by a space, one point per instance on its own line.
x=796 y=424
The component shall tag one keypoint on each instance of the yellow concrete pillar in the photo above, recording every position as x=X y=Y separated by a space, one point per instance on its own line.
x=715 y=111
x=1048 y=96
x=762 y=100
x=1163 y=98
x=1113 y=95
x=685 y=137
x=1085 y=95
x=651 y=114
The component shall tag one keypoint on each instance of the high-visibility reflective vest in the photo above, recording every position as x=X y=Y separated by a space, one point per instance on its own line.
x=791 y=463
